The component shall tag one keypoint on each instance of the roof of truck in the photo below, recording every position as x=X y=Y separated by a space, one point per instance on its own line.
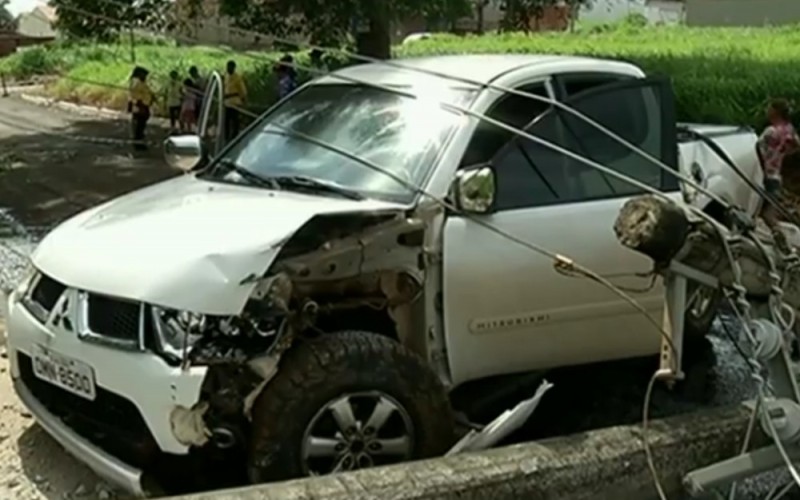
x=479 y=68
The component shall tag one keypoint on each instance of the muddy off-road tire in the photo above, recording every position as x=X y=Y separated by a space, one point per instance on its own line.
x=360 y=370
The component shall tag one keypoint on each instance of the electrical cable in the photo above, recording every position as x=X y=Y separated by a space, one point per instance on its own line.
x=562 y=264
x=570 y=267
x=761 y=387
x=686 y=179
x=566 y=265
x=481 y=117
x=501 y=88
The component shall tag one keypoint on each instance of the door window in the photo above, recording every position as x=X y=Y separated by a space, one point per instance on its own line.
x=512 y=109
x=639 y=111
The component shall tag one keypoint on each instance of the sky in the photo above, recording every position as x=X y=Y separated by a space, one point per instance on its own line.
x=18 y=6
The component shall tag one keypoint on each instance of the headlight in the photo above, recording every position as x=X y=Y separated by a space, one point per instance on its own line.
x=176 y=332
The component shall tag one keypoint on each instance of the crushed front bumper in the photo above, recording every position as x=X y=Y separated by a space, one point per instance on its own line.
x=129 y=419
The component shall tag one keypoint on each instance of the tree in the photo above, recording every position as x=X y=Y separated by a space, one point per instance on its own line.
x=106 y=19
x=7 y=21
x=334 y=22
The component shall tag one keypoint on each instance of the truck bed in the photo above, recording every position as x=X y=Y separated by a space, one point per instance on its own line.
x=739 y=145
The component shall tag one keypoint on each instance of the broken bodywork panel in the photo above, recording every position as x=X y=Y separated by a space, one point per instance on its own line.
x=230 y=275
x=328 y=276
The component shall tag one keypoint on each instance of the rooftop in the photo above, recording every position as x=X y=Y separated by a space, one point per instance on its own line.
x=479 y=69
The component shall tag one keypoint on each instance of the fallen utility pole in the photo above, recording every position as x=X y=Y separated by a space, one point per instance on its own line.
x=604 y=464
x=763 y=284
x=665 y=232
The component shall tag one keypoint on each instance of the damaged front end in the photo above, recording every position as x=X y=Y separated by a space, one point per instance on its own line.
x=337 y=272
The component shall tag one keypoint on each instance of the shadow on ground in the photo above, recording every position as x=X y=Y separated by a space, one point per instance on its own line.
x=50 y=173
x=40 y=458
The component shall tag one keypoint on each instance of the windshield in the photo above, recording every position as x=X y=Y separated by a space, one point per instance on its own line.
x=400 y=134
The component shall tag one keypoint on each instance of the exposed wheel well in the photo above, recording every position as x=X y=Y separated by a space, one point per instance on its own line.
x=365 y=319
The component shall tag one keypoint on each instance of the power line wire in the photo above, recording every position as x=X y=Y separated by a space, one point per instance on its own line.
x=571 y=266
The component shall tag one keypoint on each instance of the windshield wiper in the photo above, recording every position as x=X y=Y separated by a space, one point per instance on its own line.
x=312 y=184
x=252 y=177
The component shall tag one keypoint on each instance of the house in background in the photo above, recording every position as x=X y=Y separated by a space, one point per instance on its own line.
x=32 y=28
x=554 y=18
x=208 y=27
x=38 y=23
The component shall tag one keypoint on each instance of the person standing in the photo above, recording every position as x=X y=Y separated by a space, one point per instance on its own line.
x=174 y=100
x=139 y=103
x=286 y=75
x=777 y=141
x=235 y=95
x=188 y=106
x=199 y=87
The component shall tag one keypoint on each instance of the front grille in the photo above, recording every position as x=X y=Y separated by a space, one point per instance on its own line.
x=115 y=318
x=111 y=422
x=47 y=292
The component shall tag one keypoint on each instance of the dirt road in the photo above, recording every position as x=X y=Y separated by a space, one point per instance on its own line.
x=52 y=165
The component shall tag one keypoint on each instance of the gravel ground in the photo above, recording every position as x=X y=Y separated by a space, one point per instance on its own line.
x=33 y=466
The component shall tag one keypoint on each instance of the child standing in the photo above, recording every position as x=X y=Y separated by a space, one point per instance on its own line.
x=189 y=105
x=174 y=98
x=777 y=141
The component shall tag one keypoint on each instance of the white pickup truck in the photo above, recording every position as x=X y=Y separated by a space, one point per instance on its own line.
x=290 y=311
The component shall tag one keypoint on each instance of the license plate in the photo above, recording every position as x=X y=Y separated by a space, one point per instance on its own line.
x=67 y=373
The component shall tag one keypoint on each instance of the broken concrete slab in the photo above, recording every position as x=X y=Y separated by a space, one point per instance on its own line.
x=603 y=464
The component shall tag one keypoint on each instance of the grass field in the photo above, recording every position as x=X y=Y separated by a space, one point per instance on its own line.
x=722 y=75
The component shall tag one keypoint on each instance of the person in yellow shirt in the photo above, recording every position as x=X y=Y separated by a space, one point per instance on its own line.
x=235 y=97
x=139 y=103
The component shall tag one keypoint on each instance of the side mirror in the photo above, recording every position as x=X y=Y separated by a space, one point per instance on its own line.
x=183 y=152
x=474 y=189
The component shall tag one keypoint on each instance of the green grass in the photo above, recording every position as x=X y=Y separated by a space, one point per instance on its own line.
x=721 y=75
x=98 y=74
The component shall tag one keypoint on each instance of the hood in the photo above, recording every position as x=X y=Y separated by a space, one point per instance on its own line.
x=184 y=243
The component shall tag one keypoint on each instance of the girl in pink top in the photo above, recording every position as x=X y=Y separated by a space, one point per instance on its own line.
x=778 y=140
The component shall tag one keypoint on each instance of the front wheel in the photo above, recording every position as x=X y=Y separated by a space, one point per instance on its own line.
x=347 y=401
